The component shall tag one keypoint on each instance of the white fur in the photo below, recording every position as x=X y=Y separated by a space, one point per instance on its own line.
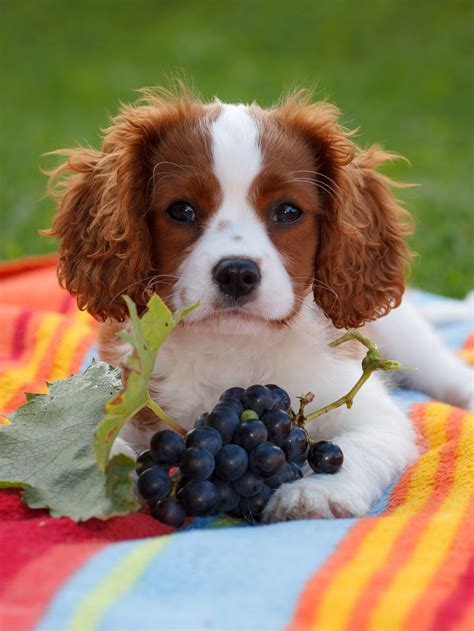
x=404 y=334
x=202 y=359
x=236 y=162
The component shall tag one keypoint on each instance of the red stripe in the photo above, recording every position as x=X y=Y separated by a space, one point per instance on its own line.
x=19 y=337
x=26 y=534
x=66 y=303
x=26 y=597
x=451 y=611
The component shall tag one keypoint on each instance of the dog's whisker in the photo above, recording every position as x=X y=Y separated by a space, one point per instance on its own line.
x=317 y=173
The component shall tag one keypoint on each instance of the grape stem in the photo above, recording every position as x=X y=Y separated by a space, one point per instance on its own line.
x=153 y=405
x=371 y=362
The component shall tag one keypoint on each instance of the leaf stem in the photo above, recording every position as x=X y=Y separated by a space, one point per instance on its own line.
x=347 y=399
x=153 y=405
x=371 y=362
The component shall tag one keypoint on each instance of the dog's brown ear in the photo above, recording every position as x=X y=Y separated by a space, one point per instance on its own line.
x=101 y=223
x=361 y=257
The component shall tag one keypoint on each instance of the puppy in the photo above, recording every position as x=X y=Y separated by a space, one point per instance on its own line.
x=284 y=231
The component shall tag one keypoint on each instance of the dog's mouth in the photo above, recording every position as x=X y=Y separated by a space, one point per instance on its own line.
x=235 y=320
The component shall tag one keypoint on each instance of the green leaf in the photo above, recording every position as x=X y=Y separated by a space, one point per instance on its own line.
x=146 y=336
x=48 y=450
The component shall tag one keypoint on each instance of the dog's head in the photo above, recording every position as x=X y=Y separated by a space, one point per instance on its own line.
x=247 y=210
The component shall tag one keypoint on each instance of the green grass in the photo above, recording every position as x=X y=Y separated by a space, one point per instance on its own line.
x=402 y=70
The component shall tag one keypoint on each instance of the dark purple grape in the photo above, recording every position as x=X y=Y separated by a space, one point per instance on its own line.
x=248 y=484
x=257 y=398
x=297 y=469
x=233 y=393
x=228 y=497
x=231 y=462
x=278 y=424
x=204 y=438
x=281 y=398
x=199 y=498
x=295 y=444
x=266 y=459
x=325 y=457
x=145 y=461
x=225 y=421
x=229 y=403
x=251 y=508
x=250 y=434
x=197 y=464
x=169 y=512
x=285 y=473
x=201 y=420
x=167 y=447
x=154 y=484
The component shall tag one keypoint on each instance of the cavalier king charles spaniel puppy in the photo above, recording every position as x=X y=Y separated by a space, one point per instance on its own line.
x=279 y=224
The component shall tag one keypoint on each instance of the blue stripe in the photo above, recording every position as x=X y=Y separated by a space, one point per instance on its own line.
x=67 y=599
x=228 y=578
x=92 y=353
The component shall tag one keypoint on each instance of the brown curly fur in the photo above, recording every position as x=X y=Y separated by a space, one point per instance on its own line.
x=361 y=258
x=102 y=223
x=106 y=244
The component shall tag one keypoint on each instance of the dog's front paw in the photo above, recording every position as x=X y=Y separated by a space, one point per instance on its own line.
x=315 y=497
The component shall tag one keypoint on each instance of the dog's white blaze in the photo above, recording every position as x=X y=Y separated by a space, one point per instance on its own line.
x=237 y=157
x=235 y=230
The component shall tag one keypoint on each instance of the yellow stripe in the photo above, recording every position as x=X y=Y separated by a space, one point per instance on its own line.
x=352 y=579
x=119 y=581
x=11 y=380
x=413 y=579
x=82 y=317
x=66 y=349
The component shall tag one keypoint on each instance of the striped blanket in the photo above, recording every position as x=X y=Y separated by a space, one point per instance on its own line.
x=407 y=565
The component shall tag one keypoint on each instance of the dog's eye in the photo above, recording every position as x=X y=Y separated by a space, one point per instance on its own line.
x=286 y=213
x=182 y=211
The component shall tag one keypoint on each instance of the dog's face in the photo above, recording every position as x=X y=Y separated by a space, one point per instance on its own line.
x=246 y=210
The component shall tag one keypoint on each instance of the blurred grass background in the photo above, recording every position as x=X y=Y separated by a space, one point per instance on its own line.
x=402 y=70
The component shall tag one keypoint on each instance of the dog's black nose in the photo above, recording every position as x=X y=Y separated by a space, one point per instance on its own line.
x=236 y=277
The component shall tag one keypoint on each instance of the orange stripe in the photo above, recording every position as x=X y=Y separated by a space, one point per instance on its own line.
x=467 y=622
x=469 y=343
x=66 y=351
x=311 y=596
x=37 y=380
x=404 y=544
x=81 y=351
x=11 y=381
x=400 y=493
x=55 y=362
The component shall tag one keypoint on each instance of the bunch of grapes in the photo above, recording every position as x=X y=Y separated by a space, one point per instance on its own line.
x=233 y=459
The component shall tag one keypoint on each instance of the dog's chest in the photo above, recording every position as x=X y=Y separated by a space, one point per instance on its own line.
x=192 y=372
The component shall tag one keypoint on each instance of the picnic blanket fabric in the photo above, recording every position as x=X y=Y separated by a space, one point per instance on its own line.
x=407 y=565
